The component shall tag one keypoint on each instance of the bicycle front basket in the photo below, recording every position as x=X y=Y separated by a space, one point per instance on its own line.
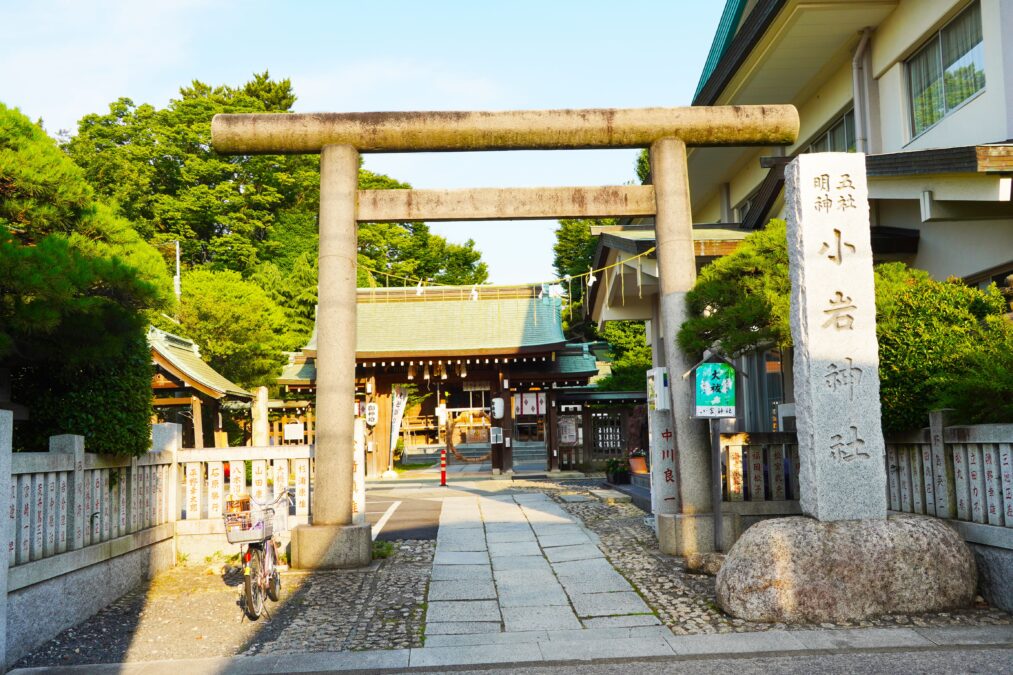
x=256 y=524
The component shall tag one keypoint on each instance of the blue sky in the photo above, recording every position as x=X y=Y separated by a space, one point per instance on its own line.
x=62 y=59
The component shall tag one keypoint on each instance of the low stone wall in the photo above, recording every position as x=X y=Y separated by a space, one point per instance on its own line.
x=40 y=605
x=995 y=574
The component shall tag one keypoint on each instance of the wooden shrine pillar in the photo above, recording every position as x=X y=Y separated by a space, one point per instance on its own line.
x=197 y=413
x=552 y=431
x=508 y=431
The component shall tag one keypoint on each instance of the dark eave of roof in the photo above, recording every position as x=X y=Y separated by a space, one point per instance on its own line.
x=886 y=240
x=766 y=196
x=594 y=395
x=749 y=34
x=985 y=158
x=625 y=244
x=938 y=160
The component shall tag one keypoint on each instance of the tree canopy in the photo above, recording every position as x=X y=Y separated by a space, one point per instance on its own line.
x=253 y=215
x=74 y=277
x=241 y=331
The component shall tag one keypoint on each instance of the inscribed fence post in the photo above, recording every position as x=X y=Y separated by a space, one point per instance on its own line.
x=70 y=444
x=942 y=466
x=6 y=427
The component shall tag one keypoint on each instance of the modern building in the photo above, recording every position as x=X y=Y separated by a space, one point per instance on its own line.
x=923 y=87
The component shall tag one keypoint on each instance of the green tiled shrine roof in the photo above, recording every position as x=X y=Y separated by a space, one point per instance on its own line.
x=449 y=326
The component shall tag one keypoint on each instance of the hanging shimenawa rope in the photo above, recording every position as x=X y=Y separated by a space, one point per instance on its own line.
x=452 y=443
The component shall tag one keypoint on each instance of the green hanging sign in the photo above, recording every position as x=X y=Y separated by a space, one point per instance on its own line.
x=714 y=391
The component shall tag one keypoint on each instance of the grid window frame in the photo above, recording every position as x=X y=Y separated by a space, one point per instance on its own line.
x=929 y=57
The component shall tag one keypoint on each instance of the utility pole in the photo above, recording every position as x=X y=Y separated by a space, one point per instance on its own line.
x=176 y=284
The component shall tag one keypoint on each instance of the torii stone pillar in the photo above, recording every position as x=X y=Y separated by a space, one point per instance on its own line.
x=332 y=540
x=691 y=529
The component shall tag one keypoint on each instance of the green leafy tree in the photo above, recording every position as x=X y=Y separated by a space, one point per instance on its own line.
x=941 y=345
x=237 y=212
x=239 y=328
x=107 y=401
x=75 y=283
x=159 y=167
x=389 y=252
x=573 y=254
x=296 y=294
x=740 y=301
x=631 y=356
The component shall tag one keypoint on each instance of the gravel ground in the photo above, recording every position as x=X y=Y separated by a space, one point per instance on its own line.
x=686 y=602
x=186 y=613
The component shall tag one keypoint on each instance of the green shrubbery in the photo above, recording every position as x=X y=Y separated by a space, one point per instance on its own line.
x=941 y=344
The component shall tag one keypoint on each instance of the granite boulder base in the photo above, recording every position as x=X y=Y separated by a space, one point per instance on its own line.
x=795 y=570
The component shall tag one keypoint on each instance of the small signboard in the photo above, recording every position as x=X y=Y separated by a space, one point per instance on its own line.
x=568 y=430
x=294 y=431
x=714 y=393
x=495 y=434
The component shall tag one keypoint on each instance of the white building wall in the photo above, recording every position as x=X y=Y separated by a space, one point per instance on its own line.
x=951 y=248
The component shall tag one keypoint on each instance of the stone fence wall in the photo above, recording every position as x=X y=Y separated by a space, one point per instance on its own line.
x=209 y=476
x=963 y=474
x=83 y=529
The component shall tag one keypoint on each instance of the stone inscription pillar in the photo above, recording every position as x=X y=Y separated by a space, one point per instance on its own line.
x=693 y=529
x=664 y=488
x=332 y=541
x=833 y=326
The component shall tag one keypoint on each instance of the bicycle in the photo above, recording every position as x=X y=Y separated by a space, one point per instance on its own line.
x=254 y=526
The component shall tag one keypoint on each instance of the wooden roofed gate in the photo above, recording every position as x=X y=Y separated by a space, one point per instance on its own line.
x=332 y=540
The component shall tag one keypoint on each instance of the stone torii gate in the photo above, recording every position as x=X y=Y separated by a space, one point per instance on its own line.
x=332 y=540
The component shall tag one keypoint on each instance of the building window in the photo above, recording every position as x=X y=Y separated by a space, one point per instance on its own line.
x=947 y=71
x=838 y=137
x=762 y=389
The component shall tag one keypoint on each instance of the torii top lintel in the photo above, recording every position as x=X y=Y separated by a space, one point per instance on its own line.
x=450 y=131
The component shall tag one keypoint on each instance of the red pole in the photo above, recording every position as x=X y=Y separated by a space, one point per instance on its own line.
x=443 y=467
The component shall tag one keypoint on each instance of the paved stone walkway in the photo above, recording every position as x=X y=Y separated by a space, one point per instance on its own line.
x=512 y=567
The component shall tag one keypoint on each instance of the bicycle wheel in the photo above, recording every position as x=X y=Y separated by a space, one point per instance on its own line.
x=273 y=576
x=254 y=582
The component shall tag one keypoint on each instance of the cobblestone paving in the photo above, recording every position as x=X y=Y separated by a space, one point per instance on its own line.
x=686 y=602
x=185 y=613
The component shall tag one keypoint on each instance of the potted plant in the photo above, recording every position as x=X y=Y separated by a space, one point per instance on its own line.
x=638 y=462
x=616 y=472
